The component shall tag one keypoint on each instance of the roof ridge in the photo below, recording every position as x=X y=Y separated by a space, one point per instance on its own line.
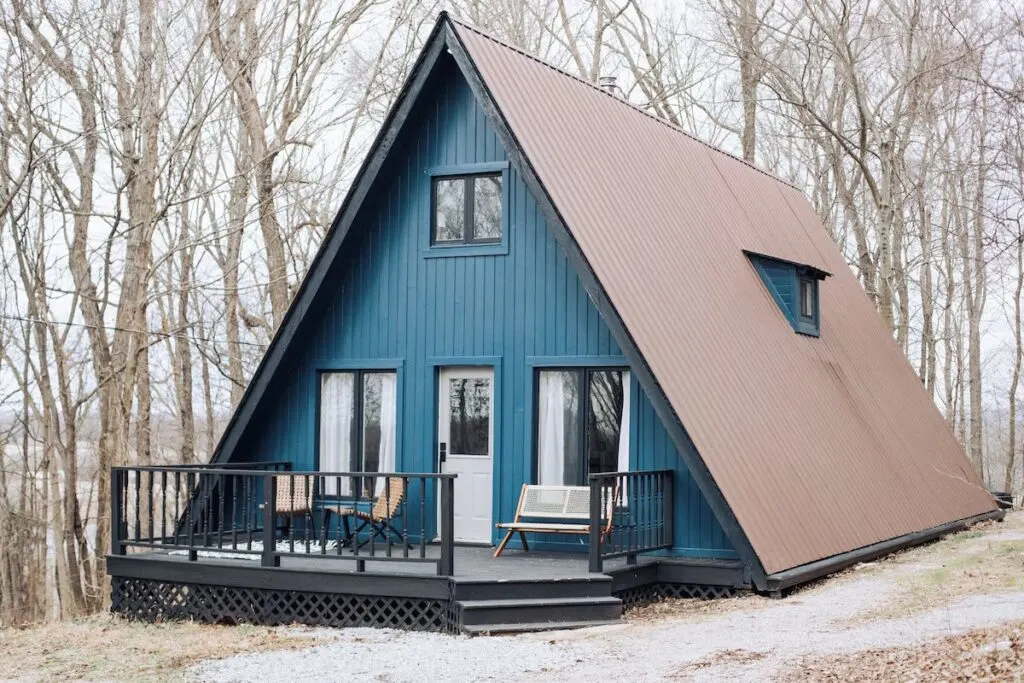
x=634 y=107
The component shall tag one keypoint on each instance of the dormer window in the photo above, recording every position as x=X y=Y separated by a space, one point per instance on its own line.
x=807 y=289
x=808 y=303
x=794 y=287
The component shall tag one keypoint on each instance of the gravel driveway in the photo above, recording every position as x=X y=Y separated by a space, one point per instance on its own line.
x=743 y=643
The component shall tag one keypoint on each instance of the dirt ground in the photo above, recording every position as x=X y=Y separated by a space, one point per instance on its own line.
x=952 y=610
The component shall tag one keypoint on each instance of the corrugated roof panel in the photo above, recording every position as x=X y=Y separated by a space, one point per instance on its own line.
x=819 y=445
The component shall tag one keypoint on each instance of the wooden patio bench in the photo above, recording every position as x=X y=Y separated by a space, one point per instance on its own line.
x=547 y=503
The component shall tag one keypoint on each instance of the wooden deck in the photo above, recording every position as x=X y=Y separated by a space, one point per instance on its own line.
x=517 y=591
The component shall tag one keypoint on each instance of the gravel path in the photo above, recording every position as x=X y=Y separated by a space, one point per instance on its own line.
x=749 y=645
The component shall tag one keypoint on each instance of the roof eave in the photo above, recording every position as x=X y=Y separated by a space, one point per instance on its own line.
x=812 y=270
x=829 y=565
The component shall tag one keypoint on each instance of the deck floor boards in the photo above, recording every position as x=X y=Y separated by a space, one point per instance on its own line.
x=471 y=563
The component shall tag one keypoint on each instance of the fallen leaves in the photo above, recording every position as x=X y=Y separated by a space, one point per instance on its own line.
x=990 y=654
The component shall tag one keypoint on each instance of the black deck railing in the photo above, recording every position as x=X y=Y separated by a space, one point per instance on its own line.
x=630 y=513
x=270 y=512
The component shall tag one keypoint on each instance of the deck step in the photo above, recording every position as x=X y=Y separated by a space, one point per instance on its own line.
x=594 y=586
x=539 y=611
x=500 y=629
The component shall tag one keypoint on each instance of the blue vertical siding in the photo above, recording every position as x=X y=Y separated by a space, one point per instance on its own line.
x=781 y=276
x=390 y=301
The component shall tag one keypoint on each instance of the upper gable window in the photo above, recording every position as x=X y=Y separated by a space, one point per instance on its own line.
x=794 y=287
x=467 y=210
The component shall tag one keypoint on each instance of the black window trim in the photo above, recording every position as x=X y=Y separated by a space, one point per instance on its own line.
x=468 y=210
x=357 y=457
x=583 y=372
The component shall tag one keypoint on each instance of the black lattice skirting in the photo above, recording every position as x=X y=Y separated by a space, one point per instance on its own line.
x=153 y=600
x=639 y=596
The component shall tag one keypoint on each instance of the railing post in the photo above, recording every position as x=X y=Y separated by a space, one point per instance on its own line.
x=668 y=479
x=193 y=502
x=270 y=557
x=446 y=566
x=116 y=511
x=634 y=528
x=596 y=566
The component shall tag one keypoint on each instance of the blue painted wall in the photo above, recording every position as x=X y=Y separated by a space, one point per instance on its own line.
x=390 y=301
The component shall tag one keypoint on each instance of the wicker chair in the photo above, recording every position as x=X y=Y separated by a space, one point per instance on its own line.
x=293 y=498
x=381 y=515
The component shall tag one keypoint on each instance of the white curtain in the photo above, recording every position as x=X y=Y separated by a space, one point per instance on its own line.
x=551 y=437
x=337 y=389
x=623 y=462
x=388 y=406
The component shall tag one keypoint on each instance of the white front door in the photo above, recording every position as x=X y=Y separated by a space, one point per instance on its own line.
x=465 y=410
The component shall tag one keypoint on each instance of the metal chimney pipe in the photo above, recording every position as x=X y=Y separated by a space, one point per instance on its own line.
x=607 y=83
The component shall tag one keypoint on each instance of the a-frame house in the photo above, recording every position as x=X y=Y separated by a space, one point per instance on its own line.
x=533 y=282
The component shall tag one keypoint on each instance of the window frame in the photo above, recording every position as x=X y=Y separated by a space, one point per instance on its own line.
x=469 y=238
x=807 y=295
x=356 y=436
x=583 y=373
x=809 y=325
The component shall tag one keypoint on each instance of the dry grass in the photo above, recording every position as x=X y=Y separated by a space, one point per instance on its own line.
x=988 y=558
x=992 y=654
x=979 y=561
x=109 y=648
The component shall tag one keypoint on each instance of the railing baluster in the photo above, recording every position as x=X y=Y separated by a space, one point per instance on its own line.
x=387 y=508
x=124 y=507
x=405 y=519
x=149 y=495
x=177 y=507
x=207 y=495
x=138 y=500
x=163 y=506
x=249 y=511
x=220 y=517
x=668 y=512
x=423 y=517
x=647 y=540
x=234 y=513
x=319 y=486
x=643 y=540
x=291 y=513
x=308 y=516
x=337 y=505
x=369 y=506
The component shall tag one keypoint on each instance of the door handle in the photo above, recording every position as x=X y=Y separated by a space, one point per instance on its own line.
x=442 y=455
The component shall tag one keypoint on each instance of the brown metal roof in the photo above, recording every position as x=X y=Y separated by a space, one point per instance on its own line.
x=818 y=445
